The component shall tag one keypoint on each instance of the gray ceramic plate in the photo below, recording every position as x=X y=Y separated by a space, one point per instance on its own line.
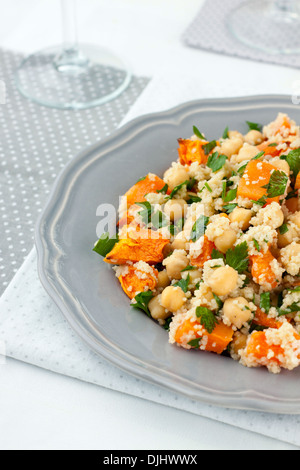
x=86 y=289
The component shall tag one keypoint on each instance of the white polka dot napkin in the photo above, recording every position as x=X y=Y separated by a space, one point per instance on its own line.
x=209 y=31
x=35 y=331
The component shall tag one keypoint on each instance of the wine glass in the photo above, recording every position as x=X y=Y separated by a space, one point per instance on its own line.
x=271 y=26
x=72 y=76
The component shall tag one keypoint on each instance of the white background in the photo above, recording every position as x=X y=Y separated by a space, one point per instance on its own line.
x=42 y=410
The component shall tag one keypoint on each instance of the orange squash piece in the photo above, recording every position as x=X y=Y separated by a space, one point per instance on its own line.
x=192 y=151
x=256 y=175
x=264 y=353
x=135 y=281
x=269 y=150
x=205 y=254
x=126 y=219
x=262 y=319
x=216 y=342
x=149 y=184
x=261 y=270
x=141 y=245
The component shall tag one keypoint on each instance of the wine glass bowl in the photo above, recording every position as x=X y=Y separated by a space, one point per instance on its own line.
x=72 y=75
x=272 y=26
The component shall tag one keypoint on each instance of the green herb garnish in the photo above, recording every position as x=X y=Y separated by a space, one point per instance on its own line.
x=105 y=244
x=198 y=133
x=217 y=255
x=283 y=229
x=207 y=318
x=183 y=284
x=230 y=195
x=229 y=208
x=142 y=301
x=199 y=228
x=293 y=159
x=253 y=126
x=277 y=184
x=225 y=133
x=256 y=244
x=215 y=162
x=208 y=187
x=195 y=343
x=265 y=301
x=163 y=190
x=209 y=147
x=237 y=257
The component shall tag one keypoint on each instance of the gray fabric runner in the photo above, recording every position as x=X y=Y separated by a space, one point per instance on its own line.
x=209 y=31
x=35 y=144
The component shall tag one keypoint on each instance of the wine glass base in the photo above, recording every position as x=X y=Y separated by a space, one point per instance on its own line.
x=261 y=25
x=72 y=79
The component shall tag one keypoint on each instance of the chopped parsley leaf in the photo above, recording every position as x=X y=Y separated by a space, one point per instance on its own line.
x=198 y=133
x=283 y=229
x=265 y=301
x=215 y=162
x=183 y=284
x=225 y=133
x=195 y=343
x=209 y=147
x=105 y=244
x=163 y=190
x=142 y=301
x=293 y=159
x=199 y=228
x=207 y=318
x=277 y=184
x=253 y=126
x=237 y=257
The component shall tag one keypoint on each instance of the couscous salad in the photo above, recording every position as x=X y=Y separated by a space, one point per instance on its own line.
x=210 y=250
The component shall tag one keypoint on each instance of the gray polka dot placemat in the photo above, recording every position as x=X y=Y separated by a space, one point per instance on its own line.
x=35 y=144
x=209 y=31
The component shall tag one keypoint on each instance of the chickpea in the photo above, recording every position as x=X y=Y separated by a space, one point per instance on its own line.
x=167 y=250
x=231 y=146
x=247 y=152
x=281 y=165
x=175 y=209
x=239 y=341
x=242 y=217
x=287 y=238
x=295 y=218
x=175 y=176
x=237 y=311
x=254 y=137
x=189 y=224
x=172 y=298
x=226 y=240
x=175 y=263
x=163 y=279
x=195 y=275
x=223 y=280
x=157 y=311
x=180 y=242
x=292 y=204
x=235 y=135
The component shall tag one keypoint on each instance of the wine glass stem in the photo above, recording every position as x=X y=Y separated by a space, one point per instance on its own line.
x=71 y=61
x=69 y=24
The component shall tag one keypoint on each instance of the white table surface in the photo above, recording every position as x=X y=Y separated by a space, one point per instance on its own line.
x=43 y=410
